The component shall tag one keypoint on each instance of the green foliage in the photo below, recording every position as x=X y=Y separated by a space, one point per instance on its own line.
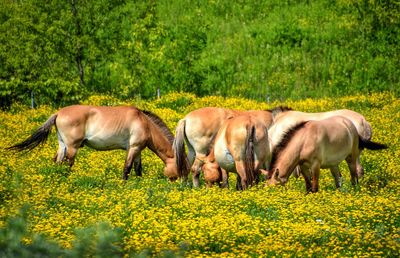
x=12 y=240
x=16 y=241
x=63 y=51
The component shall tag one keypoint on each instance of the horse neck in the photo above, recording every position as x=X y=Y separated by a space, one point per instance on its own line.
x=211 y=156
x=289 y=157
x=159 y=143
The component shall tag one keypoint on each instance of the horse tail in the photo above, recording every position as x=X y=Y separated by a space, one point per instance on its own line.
x=367 y=130
x=179 y=149
x=38 y=137
x=370 y=145
x=249 y=156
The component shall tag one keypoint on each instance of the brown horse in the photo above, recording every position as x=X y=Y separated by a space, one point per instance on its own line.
x=318 y=144
x=288 y=118
x=109 y=128
x=198 y=129
x=241 y=146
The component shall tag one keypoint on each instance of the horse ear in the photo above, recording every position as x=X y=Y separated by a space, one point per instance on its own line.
x=264 y=172
x=201 y=162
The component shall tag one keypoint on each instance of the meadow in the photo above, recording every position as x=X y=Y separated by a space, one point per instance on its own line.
x=50 y=210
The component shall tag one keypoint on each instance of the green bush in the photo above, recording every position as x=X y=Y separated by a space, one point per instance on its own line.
x=64 y=51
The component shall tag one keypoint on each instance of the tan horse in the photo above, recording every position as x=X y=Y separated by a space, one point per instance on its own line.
x=240 y=146
x=318 y=144
x=109 y=128
x=198 y=129
x=288 y=118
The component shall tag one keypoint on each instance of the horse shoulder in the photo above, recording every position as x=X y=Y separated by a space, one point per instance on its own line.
x=140 y=126
x=310 y=138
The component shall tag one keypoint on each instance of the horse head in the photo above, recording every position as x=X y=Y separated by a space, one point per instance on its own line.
x=212 y=173
x=171 y=170
x=275 y=178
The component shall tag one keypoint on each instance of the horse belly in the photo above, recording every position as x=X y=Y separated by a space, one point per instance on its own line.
x=225 y=159
x=334 y=156
x=111 y=142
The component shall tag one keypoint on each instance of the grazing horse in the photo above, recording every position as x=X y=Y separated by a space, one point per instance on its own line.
x=318 y=144
x=288 y=118
x=241 y=146
x=198 y=129
x=109 y=128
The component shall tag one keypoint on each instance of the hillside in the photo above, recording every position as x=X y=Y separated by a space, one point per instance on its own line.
x=64 y=51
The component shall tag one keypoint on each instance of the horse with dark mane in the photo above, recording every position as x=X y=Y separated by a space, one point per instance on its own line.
x=318 y=144
x=286 y=118
x=109 y=128
x=199 y=128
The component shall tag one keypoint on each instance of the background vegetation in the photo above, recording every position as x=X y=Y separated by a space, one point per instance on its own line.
x=89 y=211
x=63 y=51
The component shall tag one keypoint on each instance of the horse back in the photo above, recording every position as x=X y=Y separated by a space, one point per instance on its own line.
x=100 y=127
x=202 y=125
x=208 y=118
x=330 y=140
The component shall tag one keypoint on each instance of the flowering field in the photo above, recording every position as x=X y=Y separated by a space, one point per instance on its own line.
x=89 y=210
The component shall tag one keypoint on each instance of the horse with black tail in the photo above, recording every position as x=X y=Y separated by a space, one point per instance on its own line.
x=313 y=145
x=241 y=146
x=109 y=128
x=199 y=128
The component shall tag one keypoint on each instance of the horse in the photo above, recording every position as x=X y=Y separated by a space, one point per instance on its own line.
x=288 y=118
x=198 y=129
x=318 y=144
x=109 y=128
x=241 y=146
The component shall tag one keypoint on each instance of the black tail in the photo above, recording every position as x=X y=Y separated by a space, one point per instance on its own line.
x=370 y=145
x=38 y=137
x=249 y=156
x=179 y=150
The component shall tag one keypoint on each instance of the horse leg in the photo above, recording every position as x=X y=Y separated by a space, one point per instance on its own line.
x=257 y=171
x=60 y=155
x=196 y=176
x=337 y=175
x=352 y=163
x=305 y=172
x=241 y=173
x=239 y=184
x=133 y=153
x=315 y=170
x=196 y=168
x=61 y=152
x=137 y=163
x=225 y=178
x=360 y=169
x=70 y=154
x=297 y=172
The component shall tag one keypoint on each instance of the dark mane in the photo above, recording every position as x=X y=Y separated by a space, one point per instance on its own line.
x=287 y=136
x=160 y=123
x=279 y=109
